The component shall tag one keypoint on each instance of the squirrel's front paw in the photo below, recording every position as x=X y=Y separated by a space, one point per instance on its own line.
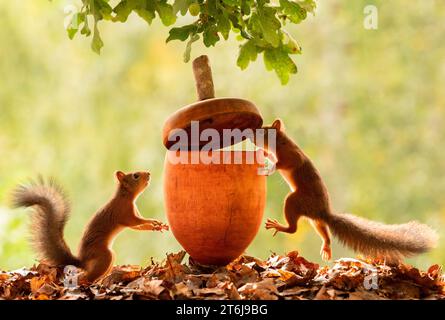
x=159 y=226
x=164 y=227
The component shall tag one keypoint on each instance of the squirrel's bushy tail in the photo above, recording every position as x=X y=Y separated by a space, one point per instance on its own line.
x=50 y=214
x=392 y=242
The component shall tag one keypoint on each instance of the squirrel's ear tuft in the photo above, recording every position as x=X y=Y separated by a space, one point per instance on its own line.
x=120 y=175
x=278 y=125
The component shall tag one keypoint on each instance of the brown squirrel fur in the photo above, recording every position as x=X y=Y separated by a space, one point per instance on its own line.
x=51 y=212
x=309 y=198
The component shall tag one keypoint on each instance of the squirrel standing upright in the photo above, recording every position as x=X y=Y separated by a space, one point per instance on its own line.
x=51 y=212
x=309 y=198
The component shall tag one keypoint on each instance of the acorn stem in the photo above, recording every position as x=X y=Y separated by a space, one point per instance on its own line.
x=203 y=78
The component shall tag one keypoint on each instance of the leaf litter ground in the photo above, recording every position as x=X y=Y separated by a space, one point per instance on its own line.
x=289 y=277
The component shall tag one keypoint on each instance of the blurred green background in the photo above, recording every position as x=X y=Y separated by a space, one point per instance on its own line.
x=368 y=106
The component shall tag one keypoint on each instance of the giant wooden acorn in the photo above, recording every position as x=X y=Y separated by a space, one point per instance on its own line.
x=214 y=209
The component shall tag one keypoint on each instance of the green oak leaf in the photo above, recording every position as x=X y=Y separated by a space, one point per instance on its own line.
x=212 y=8
x=232 y=3
x=97 y=42
x=86 y=31
x=143 y=8
x=293 y=11
x=76 y=20
x=248 y=52
x=210 y=36
x=122 y=11
x=182 y=6
x=165 y=12
x=308 y=5
x=265 y=22
x=182 y=33
x=146 y=14
x=246 y=6
x=224 y=25
x=291 y=45
x=102 y=9
x=278 y=59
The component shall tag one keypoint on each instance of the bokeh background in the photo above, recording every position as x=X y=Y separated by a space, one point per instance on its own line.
x=368 y=106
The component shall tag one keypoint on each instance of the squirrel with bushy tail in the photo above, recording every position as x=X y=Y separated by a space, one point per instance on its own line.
x=51 y=212
x=309 y=198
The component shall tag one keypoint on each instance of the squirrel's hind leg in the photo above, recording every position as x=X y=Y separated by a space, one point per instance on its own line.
x=323 y=231
x=99 y=265
x=291 y=214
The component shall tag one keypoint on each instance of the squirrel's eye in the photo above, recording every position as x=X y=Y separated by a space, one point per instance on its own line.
x=136 y=176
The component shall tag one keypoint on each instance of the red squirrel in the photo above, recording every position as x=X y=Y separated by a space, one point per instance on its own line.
x=51 y=212
x=309 y=198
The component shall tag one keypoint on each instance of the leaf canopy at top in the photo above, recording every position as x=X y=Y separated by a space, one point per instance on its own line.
x=258 y=25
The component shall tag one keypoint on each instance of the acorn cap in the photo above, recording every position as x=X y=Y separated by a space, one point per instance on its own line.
x=211 y=113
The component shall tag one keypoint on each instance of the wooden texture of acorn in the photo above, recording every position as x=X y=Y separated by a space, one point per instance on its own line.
x=214 y=210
